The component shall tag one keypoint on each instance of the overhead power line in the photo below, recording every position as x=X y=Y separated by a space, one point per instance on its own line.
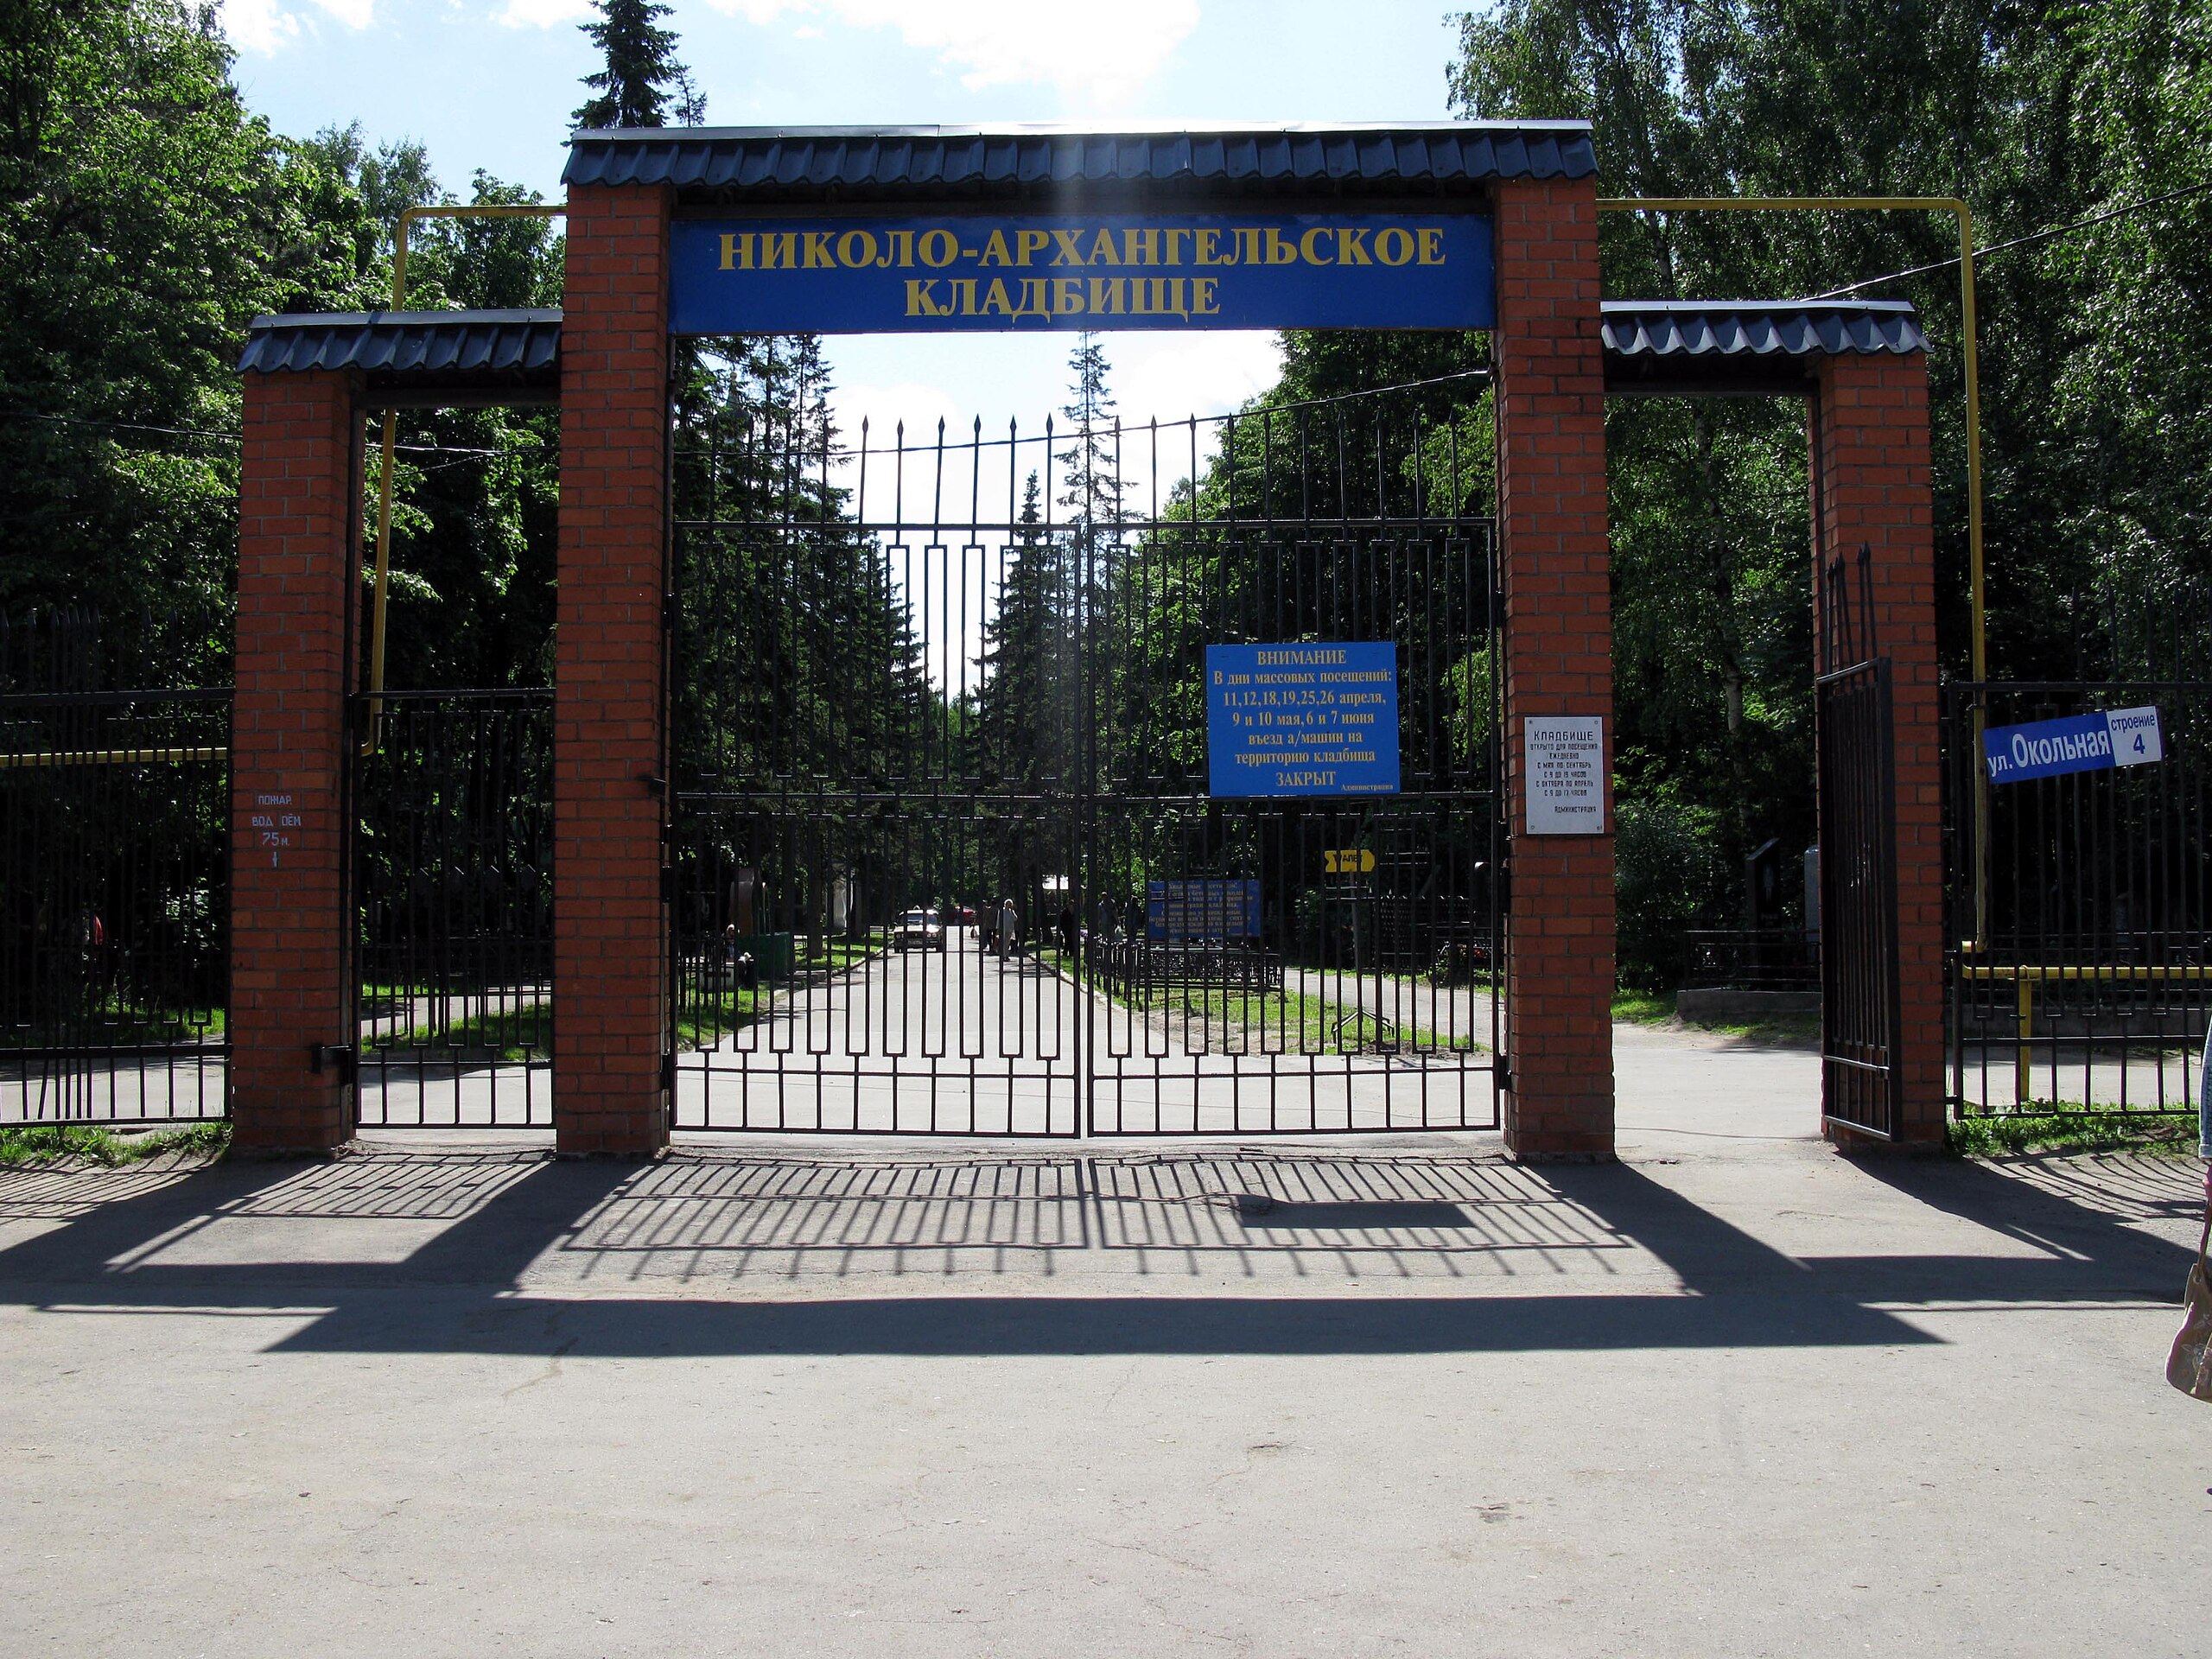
x=2020 y=241
x=210 y=432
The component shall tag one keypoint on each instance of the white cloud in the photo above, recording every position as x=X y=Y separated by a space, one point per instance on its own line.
x=1176 y=376
x=1099 y=55
x=263 y=26
x=257 y=25
x=544 y=14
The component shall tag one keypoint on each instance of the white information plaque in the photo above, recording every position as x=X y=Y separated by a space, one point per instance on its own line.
x=1564 y=760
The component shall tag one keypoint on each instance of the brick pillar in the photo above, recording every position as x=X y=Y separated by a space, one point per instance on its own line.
x=1869 y=444
x=1559 y=660
x=299 y=503
x=610 y=922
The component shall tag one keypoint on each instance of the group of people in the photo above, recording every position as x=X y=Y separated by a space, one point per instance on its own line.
x=999 y=928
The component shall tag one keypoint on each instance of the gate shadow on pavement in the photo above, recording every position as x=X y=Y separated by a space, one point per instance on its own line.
x=424 y=1253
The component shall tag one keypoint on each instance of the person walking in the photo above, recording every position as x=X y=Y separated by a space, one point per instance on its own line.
x=2189 y=1366
x=1008 y=922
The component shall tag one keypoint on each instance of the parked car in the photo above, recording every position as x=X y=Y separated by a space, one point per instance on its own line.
x=919 y=930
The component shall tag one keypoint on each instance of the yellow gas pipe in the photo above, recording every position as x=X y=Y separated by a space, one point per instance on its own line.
x=407 y=218
x=1959 y=210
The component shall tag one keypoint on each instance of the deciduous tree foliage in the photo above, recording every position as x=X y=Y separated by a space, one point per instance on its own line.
x=144 y=218
x=2095 y=347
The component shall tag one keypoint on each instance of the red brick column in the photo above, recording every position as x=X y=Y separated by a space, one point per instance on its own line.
x=1559 y=645
x=299 y=504
x=610 y=928
x=1870 y=487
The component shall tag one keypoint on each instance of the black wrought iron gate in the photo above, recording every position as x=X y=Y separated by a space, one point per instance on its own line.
x=943 y=856
x=1860 y=1016
x=452 y=873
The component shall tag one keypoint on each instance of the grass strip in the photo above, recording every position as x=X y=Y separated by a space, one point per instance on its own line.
x=45 y=1143
x=2158 y=1134
x=1657 y=1008
x=1303 y=1023
x=704 y=1018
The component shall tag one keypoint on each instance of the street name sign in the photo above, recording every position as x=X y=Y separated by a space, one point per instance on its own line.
x=2050 y=749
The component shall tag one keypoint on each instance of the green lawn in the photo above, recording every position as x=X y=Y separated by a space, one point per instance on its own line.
x=840 y=954
x=118 y=1024
x=1657 y=1008
x=1287 y=1021
x=706 y=1017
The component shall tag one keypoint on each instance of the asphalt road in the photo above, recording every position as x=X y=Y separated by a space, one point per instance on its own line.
x=962 y=1041
x=1734 y=1396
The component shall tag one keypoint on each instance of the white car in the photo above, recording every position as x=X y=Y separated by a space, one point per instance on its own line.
x=919 y=930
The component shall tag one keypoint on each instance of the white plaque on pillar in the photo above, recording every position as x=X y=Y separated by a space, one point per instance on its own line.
x=1563 y=774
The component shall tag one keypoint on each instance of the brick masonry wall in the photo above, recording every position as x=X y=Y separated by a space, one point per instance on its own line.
x=610 y=928
x=1553 y=545
x=298 y=531
x=1870 y=486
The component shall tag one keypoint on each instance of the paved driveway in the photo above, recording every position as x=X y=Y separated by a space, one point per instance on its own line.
x=1733 y=1395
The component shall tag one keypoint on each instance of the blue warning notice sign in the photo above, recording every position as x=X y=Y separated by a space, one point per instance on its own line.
x=1298 y=719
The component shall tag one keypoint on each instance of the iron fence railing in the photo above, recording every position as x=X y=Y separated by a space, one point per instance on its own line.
x=114 y=904
x=2079 y=959
x=1756 y=959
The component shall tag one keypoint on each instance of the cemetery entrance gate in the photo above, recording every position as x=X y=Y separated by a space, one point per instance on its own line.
x=945 y=854
x=816 y=698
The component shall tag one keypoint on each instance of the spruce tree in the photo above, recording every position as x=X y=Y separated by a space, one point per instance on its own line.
x=642 y=76
x=1021 y=715
x=1090 y=469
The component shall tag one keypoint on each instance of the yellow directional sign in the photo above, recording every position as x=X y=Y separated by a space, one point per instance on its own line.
x=1347 y=860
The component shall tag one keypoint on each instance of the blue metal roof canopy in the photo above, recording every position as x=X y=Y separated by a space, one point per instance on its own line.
x=1742 y=347
x=431 y=356
x=723 y=166
x=1682 y=347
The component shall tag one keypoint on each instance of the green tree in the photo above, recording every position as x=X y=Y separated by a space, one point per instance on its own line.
x=1712 y=638
x=640 y=80
x=1026 y=720
x=144 y=218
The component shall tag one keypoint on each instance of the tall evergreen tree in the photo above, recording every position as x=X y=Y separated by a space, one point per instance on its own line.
x=641 y=79
x=1024 y=720
x=1091 y=477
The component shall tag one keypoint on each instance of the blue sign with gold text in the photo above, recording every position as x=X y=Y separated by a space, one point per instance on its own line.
x=907 y=275
x=1300 y=719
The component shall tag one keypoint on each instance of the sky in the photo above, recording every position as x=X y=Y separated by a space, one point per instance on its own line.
x=489 y=85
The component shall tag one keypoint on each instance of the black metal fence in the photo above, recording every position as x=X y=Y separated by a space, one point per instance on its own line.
x=1753 y=959
x=453 y=875
x=965 y=674
x=114 y=898
x=1143 y=971
x=2080 y=934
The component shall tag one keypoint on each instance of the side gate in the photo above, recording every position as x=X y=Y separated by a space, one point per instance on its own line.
x=452 y=883
x=943 y=854
x=1861 y=1019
